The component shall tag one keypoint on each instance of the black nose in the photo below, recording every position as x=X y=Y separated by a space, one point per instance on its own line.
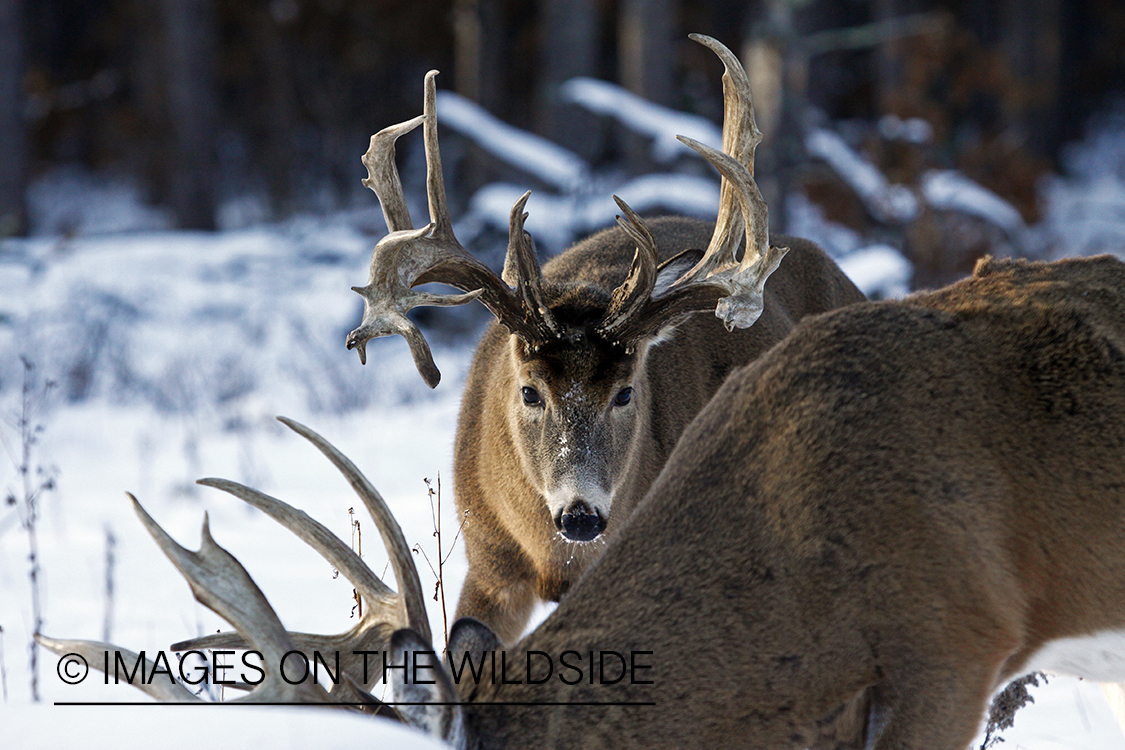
x=580 y=524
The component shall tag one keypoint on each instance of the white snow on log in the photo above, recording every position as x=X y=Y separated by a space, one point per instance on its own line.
x=537 y=156
x=806 y=219
x=912 y=130
x=557 y=221
x=678 y=193
x=880 y=271
x=1086 y=217
x=892 y=204
x=949 y=190
x=642 y=116
x=554 y=221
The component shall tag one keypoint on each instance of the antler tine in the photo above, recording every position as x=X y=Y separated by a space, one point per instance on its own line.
x=755 y=212
x=221 y=584
x=740 y=130
x=406 y=257
x=316 y=535
x=213 y=575
x=94 y=653
x=382 y=174
x=740 y=139
x=745 y=283
x=629 y=299
x=435 y=184
x=718 y=281
x=412 y=601
x=522 y=271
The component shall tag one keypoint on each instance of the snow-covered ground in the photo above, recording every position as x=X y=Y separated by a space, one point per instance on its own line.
x=171 y=352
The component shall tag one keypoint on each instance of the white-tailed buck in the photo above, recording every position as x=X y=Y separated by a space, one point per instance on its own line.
x=595 y=364
x=861 y=536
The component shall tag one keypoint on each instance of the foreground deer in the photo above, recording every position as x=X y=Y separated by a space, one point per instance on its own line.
x=863 y=534
x=571 y=408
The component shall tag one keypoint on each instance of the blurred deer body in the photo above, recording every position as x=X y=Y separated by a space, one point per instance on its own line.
x=596 y=363
x=863 y=534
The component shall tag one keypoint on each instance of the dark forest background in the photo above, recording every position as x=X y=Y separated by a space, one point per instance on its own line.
x=199 y=101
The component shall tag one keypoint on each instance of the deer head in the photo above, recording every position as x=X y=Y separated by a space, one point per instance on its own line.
x=574 y=387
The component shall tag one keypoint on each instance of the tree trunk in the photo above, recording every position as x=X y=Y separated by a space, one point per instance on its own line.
x=480 y=73
x=778 y=71
x=1032 y=44
x=646 y=62
x=13 y=133
x=569 y=49
x=192 y=108
x=646 y=51
x=480 y=53
x=893 y=94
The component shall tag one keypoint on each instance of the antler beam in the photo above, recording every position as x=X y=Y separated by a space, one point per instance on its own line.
x=407 y=257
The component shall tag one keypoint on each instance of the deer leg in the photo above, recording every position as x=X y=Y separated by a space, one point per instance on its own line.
x=936 y=708
x=506 y=608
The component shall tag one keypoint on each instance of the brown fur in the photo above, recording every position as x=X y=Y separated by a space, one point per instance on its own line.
x=515 y=555
x=891 y=509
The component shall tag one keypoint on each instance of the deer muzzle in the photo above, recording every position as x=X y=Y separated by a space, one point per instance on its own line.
x=578 y=522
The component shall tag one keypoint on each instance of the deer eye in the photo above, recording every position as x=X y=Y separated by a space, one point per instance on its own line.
x=531 y=396
x=624 y=396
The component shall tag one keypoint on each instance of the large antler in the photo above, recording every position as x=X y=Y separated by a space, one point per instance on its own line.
x=384 y=611
x=407 y=257
x=718 y=281
x=220 y=582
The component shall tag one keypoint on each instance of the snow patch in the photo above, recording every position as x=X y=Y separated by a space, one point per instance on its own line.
x=880 y=271
x=894 y=204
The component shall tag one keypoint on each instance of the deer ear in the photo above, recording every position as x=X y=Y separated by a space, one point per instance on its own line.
x=673 y=268
x=473 y=636
x=423 y=693
x=472 y=646
x=669 y=272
